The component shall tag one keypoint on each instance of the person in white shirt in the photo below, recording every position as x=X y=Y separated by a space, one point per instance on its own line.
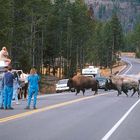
x=5 y=56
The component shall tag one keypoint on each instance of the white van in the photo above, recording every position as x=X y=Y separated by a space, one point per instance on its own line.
x=91 y=71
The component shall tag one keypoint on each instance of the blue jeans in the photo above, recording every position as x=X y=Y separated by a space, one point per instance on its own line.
x=1 y=98
x=32 y=92
x=8 y=93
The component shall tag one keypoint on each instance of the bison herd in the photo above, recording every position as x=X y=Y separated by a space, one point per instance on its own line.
x=116 y=82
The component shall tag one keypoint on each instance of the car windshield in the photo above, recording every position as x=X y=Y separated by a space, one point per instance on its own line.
x=64 y=81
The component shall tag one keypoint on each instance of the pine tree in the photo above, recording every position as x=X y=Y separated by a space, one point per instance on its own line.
x=117 y=34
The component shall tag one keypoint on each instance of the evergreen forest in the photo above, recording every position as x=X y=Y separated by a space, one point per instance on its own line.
x=62 y=34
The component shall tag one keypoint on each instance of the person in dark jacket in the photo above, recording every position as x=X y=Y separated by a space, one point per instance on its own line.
x=8 y=88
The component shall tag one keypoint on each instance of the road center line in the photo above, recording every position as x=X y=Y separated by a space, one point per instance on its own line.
x=2 y=120
x=112 y=130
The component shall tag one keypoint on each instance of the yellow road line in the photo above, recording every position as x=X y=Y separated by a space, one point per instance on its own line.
x=2 y=120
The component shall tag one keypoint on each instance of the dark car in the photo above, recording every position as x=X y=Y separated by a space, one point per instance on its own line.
x=103 y=82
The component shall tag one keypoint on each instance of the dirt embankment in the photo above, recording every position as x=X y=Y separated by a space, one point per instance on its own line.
x=116 y=69
x=47 y=84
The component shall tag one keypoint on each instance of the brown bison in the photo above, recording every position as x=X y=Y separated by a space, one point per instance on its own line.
x=131 y=84
x=80 y=82
x=124 y=83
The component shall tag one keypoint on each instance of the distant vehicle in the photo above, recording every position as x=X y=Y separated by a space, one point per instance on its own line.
x=103 y=82
x=62 y=86
x=91 y=71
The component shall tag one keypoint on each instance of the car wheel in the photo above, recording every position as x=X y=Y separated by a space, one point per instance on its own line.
x=106 y=89
x=72 y=90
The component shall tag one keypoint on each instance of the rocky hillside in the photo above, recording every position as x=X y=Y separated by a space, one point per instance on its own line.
x=128 y=11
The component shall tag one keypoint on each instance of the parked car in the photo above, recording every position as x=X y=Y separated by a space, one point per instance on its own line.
x=103 y=82
x=62 y=86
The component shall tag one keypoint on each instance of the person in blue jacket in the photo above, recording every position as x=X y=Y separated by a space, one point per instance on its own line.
x=33 y=87
x=8 y=88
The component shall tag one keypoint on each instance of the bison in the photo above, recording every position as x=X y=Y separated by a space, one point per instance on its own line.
x=80 y=82
x=124 y=83
x=129 y=84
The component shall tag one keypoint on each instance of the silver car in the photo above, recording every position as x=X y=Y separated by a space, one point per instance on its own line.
x=62 y=86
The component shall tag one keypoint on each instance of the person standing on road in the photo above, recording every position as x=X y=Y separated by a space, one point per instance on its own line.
x=8 y=88
x=25 y=87
x=16 y=88
x=33 y=87
x=1 y=89
x=1 y=94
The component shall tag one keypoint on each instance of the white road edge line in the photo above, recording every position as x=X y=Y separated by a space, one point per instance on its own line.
x=129 y=67
x=111 y=131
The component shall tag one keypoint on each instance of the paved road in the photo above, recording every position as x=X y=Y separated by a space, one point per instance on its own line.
x=69 y=117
